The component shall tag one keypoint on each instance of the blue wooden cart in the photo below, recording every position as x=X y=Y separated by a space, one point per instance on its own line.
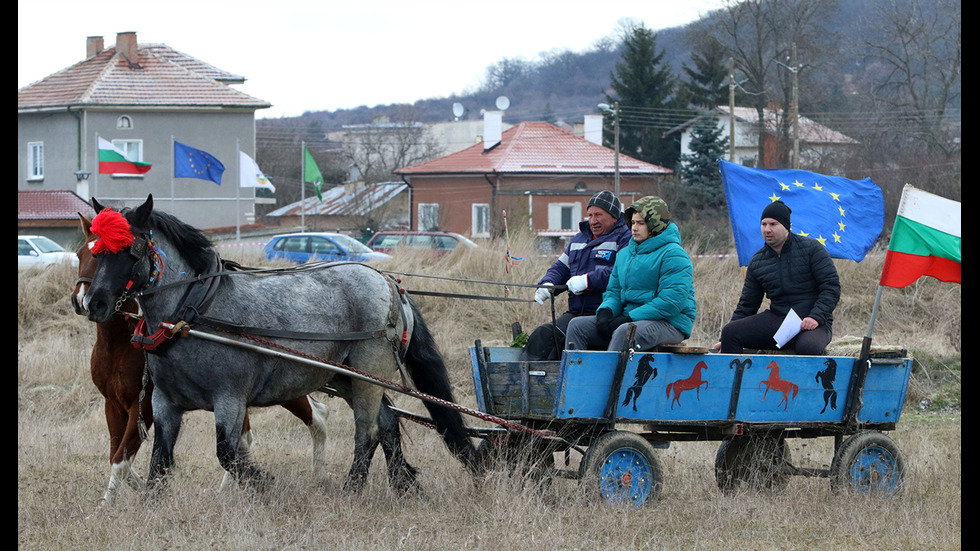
x=617 y=408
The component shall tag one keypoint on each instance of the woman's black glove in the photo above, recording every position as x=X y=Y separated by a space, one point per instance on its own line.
x=606 y=323
x=602 y=319
x=616 y=322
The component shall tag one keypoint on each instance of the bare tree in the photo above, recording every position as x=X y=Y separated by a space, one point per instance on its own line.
x=374 y=150
x=760 y=35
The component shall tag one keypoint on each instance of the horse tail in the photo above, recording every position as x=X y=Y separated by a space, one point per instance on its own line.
x=428 y=370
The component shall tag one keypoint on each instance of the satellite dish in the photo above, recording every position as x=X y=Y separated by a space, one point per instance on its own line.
x=503 y=103
x=458 y=110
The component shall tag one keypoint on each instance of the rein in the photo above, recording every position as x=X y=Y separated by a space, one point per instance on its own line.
x=476 y=297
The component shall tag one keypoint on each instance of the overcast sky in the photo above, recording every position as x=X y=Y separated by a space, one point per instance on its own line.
x=326 y=55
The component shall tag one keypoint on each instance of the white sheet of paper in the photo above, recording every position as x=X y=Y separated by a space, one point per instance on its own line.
x=790 y=327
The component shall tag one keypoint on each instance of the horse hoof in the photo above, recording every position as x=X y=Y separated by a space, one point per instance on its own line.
x=354 y=485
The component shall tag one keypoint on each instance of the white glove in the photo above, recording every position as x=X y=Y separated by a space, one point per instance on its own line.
x=542 y=294
x=579 y=283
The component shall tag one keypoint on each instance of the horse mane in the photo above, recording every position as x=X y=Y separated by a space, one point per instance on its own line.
x=194 y=246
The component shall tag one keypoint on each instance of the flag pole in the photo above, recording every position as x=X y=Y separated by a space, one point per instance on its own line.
x=302 y=186
x=173 y=163
x=238 y=193
x=95 y=188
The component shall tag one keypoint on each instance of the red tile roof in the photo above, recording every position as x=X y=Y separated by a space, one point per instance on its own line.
x=162 y=77
x=51 y=205
x=535 y=147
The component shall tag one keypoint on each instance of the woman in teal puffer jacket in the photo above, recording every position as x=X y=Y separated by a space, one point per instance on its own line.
x=651 y=285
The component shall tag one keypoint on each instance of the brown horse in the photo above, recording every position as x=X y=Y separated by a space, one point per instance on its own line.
x=692 y=382
x=779 y=385
x=117 y=371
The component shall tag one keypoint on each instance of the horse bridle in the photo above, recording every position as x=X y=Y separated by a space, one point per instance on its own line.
x=151 y=269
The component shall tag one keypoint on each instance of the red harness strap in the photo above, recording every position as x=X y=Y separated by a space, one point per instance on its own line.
x=150 y=342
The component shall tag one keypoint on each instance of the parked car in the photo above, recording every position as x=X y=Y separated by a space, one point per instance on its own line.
x=440 y=243
x=304 y=247
x=37 y=250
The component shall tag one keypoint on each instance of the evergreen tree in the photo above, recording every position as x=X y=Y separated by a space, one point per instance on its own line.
x=647 y=97
x=706 y=84
x=699 y=172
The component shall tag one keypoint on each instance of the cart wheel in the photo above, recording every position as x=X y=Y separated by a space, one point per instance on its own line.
x=754 y=460
x=621 y=467
x=870 y=463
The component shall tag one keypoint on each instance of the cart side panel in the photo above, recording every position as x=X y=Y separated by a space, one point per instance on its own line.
x=668 y=387
x=512 y=389
x=884 y=391
x=805 y=389
x=794 y=389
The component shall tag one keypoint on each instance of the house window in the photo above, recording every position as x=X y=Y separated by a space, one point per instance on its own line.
x=428 y=216
x=564 y=216
x=35 y=161
x=481 y=220
x=124 y=123
x=132 y=149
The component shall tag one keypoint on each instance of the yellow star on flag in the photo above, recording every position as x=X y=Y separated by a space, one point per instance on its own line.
x=774 y=198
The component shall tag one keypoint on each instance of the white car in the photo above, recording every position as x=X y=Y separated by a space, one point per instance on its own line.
x=37 y=250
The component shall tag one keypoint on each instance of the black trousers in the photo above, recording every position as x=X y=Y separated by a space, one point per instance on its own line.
x=756 y=332
x=547 y=341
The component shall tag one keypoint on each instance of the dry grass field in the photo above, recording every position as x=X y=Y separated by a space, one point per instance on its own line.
x=62 y=445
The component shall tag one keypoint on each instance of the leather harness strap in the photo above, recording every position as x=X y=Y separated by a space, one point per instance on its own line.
x=200 y=293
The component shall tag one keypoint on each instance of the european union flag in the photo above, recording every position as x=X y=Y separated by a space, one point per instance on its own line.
x=846 y=216
x=194 y=163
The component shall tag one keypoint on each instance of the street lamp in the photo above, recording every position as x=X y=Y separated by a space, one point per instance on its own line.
x=604 y=107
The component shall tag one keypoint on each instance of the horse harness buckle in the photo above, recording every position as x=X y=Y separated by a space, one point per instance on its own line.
x=150 y=343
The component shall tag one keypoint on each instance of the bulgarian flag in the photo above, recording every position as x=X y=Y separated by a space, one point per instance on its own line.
x=113 y=161
x=925 y=240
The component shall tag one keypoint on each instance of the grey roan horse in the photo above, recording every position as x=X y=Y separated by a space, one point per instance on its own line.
x=343 y=313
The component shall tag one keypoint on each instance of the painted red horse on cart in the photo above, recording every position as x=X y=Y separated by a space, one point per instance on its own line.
x=117 y=371
x=779 y=385
x=692 y=382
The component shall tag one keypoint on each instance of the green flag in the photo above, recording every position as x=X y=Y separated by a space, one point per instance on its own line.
x=312 y=173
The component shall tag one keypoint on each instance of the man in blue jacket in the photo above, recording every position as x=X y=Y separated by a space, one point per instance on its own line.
x=651 y=286
x=584 y=269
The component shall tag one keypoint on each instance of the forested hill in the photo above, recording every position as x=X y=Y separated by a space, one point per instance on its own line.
x=565 y=85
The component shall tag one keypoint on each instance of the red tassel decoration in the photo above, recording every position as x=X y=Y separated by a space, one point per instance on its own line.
x=113 y=231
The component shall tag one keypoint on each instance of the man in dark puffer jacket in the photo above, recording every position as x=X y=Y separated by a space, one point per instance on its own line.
x=794 y=272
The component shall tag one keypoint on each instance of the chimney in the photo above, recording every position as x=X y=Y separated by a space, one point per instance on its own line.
x=93 y=46
x=593 y=128
x=492 y=128
x=126 y=45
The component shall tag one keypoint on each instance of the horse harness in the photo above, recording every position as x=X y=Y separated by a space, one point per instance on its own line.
x=201 y=290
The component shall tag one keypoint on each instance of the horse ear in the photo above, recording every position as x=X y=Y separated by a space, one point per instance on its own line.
x=97 y=206
x=86 y=226
x=142 y=213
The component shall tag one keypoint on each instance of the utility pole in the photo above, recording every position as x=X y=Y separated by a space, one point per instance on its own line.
x=796 y=110
x=731 y=110
x=615 y=111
